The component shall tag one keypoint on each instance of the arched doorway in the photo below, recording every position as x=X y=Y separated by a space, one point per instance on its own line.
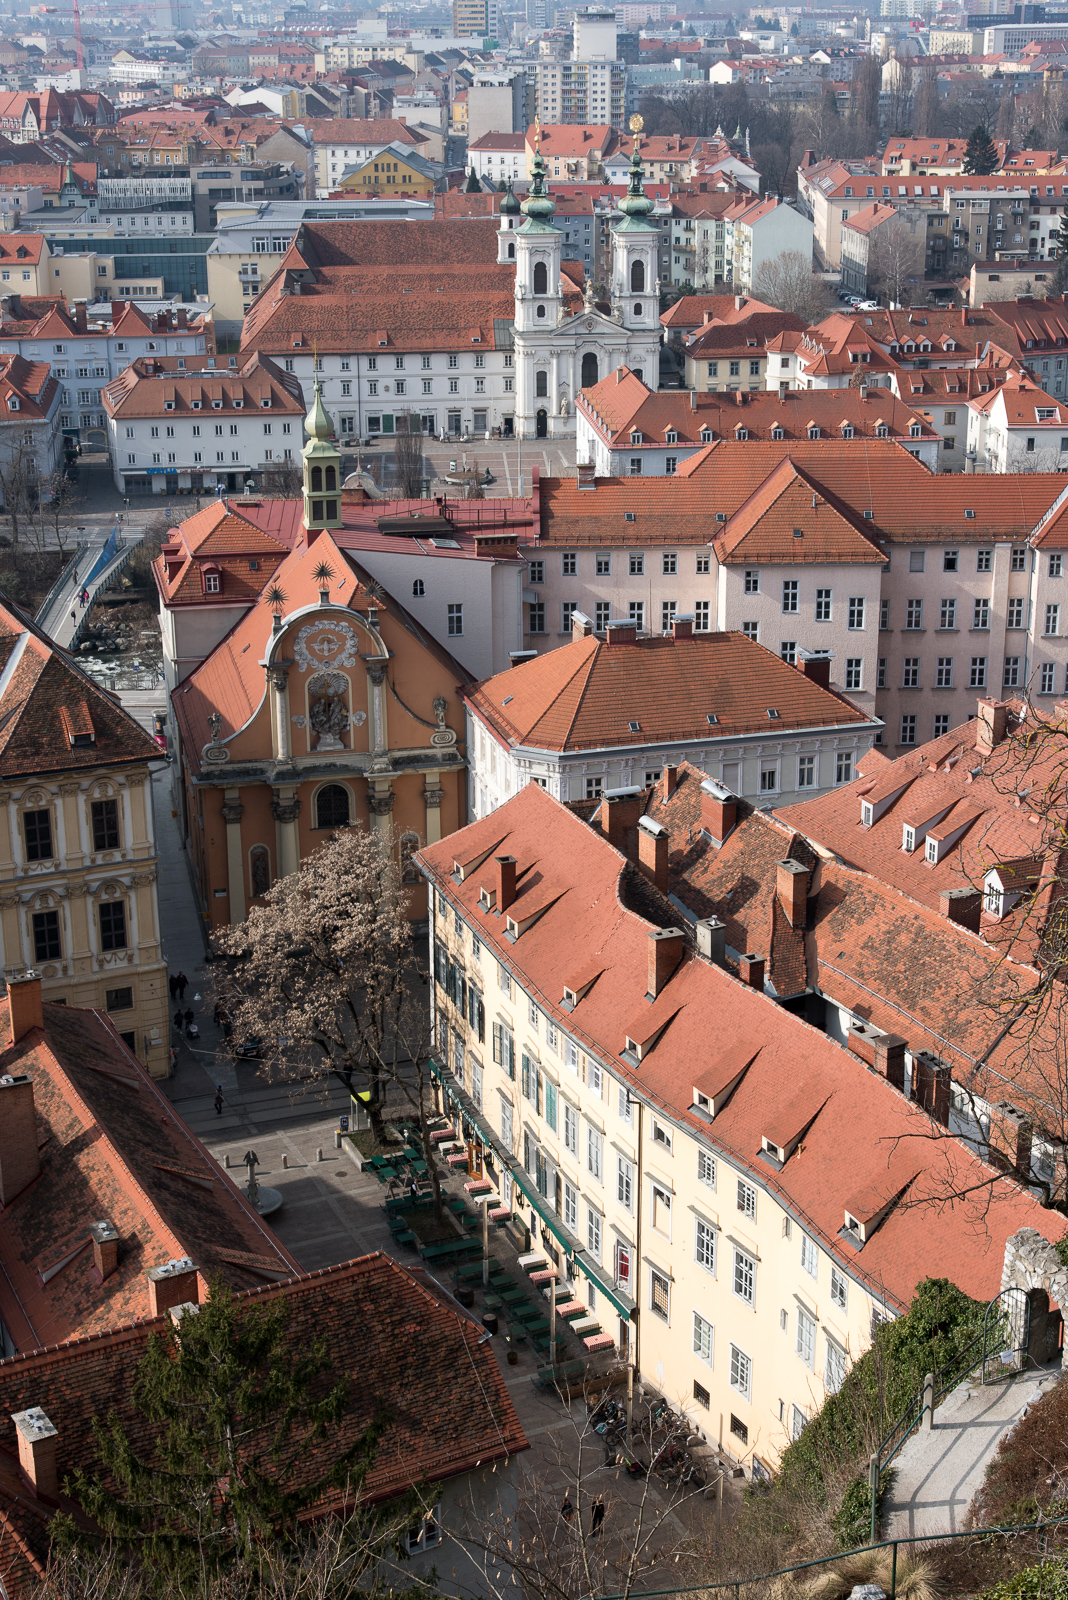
x=541 y=424
x=589 y=370
x=332 y=806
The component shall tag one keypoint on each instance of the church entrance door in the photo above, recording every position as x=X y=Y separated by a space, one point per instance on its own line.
x=541 y=424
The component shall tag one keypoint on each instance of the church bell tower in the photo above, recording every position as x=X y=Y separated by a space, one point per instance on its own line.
x=322 y=469
x=635 y=250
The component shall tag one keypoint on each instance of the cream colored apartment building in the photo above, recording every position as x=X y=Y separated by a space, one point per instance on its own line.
x=652 y=1145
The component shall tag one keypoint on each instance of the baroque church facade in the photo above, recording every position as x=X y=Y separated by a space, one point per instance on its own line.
x=558 y=350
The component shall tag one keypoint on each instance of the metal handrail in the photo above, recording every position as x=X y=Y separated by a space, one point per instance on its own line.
x=738 y=1584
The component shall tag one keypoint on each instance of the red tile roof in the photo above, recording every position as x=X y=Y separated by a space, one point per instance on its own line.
x=402 y=1342
x=37 y=683
x=849 y=1106
x=148 y=389
x=787 y=519
x=584 y=694
x=111 y=1147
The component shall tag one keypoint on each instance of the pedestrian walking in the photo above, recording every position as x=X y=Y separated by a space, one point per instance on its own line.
x=567 y=1510
x=190 y=1015
x=178 y=1020
x=180 y=983
x=218 y=1099
x=598 y=1516
x=172 y=984
x=74 y=616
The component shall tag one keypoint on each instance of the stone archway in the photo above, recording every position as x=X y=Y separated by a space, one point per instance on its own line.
x=1033 y=1266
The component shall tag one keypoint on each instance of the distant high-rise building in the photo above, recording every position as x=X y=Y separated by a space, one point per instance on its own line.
x=595 y=35
x=173 y=16
x=475 y=19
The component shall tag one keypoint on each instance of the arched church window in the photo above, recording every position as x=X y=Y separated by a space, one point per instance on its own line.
x=637 y=277
x=637 y=309
x=317 y=480
x=541 y=311
x=589 y=370
x=511 y=252
x=541 y=278
x=409 y=844
x=332 y=806
x=260 y=869
x=331 y=478
x=541 y=384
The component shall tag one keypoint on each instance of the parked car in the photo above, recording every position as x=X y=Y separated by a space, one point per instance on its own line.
x=250 y=1049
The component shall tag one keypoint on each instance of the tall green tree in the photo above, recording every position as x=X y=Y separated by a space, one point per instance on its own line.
x=227 y=1449
x=980 y=154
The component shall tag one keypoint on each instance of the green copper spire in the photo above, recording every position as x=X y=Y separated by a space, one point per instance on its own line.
x=636 y=203
x=317 y=424
x=509 y=203
x=539 y=204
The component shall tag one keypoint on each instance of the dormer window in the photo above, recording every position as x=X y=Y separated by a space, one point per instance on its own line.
x=777 y=433
x=881 y=431
x=13 y=404
x=216 y=405
x=702 y=1102
x=672 y=437
x=238 y=405
x=195 y=405
x=487 y=899
x=914 y=430
x=847 y=431
x=212 y=582
x=265 y=404
x=908 y=839
x=931 y=852
x=813 y=433
x=867 y=814
x=706 y=435
x=741 y=433
x=635 y=437
x=168 y=405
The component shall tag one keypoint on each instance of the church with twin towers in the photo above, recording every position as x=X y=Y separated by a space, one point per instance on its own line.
x=559 y=350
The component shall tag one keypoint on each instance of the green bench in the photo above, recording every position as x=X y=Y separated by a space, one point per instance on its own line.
x=448 y=1248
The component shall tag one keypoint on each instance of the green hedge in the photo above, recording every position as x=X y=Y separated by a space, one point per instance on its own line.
x=1047 y=1581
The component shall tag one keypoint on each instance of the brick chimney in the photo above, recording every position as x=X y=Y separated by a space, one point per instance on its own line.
x=817 y=669
x=719 y=810
x=37 y=1438
x=81 y=321
x=671 y=781
x=653 y=842
x=711 y=936
x=586 y=475
x=170 y=1284
x=621 y=633
x=962 y=906
x=20 y=1160
x=506 y=876
x=666 y=946
x=1011 y=1137
x=931 y=1079
x=24 y=1005
x=990 y=724
x=620 y=812
x=751 y=971
x=105 y=1237
x=889 y=1059
x=682 y=627
x=581 y=625
x=791 y=885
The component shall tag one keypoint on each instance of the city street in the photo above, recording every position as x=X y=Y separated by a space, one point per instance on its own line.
x=505 y=458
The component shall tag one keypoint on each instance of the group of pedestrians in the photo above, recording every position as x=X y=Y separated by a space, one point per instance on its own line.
x=567 y=1511
x=178 y=983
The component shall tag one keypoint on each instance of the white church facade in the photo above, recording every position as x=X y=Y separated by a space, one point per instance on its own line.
x=558 y=350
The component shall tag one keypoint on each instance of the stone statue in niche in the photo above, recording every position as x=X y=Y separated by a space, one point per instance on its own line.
x=328 y=714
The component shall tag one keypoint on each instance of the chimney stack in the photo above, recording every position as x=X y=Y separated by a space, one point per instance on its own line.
x=962 y=906
x=991 y=724
x=105 y=1237
x=506 y=876
x=889 y=1059
x=586 y=475
x=931 y=1079
x=20 y=1161
x=711 y=940
x=581 y=625
x=81 y=321
x=666 y=946
x=671 y=781
x=791 y=885
x=653 y=843
x=1010 y=1140
x=24 y=1005
x=37 y=1450
x=621 y=633
x=816 y=668
x=621 y=810
x=751 y=971
x=171 y=1284
x=719 y=811
x=682 y=626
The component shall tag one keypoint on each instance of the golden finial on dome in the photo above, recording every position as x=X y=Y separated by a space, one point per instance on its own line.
x=537 y=133
x=636 y=124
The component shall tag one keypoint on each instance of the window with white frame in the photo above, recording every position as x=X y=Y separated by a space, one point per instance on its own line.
x=625 y=1182
x=834 y=1369
x=741 y=1372
x=806 y=1337
x=839 y=1288
x=661 y=1135
x=594 y=1228
x=843 y=766
x=571 y=1060
x=594 y=1150
x=809 y=1255
x=704 y=1244
x=571 y=1120
x=744 y=1277
x=706 y=1168
x=702 y=1338
x=626 y=1106
x=660 y=1217
x=570 y=1206
x=747 y=1199
x=660 y=1294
